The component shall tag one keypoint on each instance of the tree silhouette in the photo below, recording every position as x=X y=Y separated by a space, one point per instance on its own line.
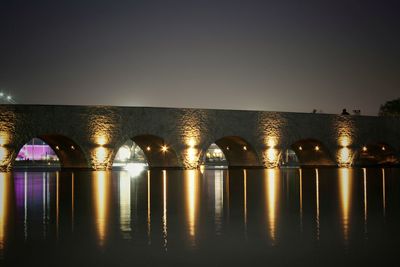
x=390 y=108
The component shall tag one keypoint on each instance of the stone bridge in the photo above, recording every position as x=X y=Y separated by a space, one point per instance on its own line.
x=90 y=136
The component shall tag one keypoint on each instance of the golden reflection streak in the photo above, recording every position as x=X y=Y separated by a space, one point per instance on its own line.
x=72 y=200
x=228 y=194
x=3 y=210
x=384 y=192
x=164 y=219
x=345 y=185
x=100 y=201
x=125 y=203
x=57 y=202
x=301 y=198
x=317 y=201
x=365 y=200
x=191 y=203
x=272 y=199
x=245 y=200
x=148 y=208
x=218 y=198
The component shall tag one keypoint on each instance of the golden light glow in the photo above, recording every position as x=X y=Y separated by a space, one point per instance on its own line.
x=345 y=187
x=218 y=199
x=192 y=157
x=125 y=204
x=191 y=142
x=227 y=148
x=4 y=152
x=3 y=209
x=101 y=158
x=364 y=148
x=3 y=156
x=202 y=168
x=164 y=148
x=344 y=157
x=344 y=141
x=72 y=147
x=316 y=148
x=383 y=148
x=100 y=193
x=272 y=192
x=300 y=148
x=101 y=140
x=272 y=141
x=4 y=138
x=245 y=148
x=164 y=218
x=271 y=158
x=148 y=148
x=191 y=192
x=57 y=147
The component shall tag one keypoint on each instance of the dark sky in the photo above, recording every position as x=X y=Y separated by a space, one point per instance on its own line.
x=286 y=55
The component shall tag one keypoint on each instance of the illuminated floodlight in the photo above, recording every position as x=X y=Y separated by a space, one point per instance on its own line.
x=57 y=147
x=148 y=148
x=72 y=147
x=316 y=148
x=383 y=148
x=124 y=153
x=364 y=148
x=300 y=148
x=164 y=148
x=245 y=148
x=135 y=169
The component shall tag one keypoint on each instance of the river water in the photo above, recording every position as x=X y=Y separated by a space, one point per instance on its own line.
x=296 y=217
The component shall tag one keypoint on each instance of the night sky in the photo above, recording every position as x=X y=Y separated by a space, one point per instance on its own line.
x=286 y=55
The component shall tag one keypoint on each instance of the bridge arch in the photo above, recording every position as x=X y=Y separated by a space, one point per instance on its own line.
x=157 y=152
x=376 y=153
x=312 y=152
x=237 y=151
x=68 y=151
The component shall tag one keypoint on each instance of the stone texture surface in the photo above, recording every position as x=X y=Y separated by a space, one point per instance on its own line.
x=99 y=131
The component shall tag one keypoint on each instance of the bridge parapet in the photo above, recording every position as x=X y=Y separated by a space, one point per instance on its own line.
x=90 y=136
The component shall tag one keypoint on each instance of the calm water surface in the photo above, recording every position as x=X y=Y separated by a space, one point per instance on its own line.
x=301 y=217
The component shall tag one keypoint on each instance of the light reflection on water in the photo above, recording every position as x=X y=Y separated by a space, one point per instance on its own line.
x=101 y=188
x=168 y=211
x=345 y=185
x=272 y=197
x=4 y=178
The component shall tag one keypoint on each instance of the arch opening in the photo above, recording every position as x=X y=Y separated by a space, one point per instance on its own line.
x=376 y=154
x=214 y=157
x=289 y=159
x=50 y=151
x=147 y=150
x=130 y=157
x=311 y=152
x=236 y=151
